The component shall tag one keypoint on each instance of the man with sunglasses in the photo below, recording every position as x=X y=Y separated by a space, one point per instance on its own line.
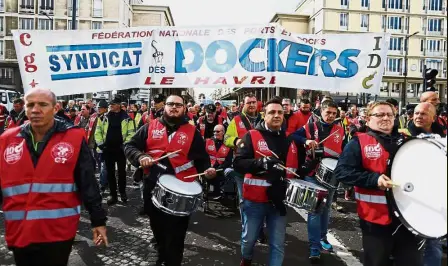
x=327 y=134
x=169 y=133
x=363 y=164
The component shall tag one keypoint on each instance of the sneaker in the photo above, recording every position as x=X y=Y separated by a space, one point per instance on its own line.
x=326 y=246
x=124 y=198
x=314 y=256
x=112 y=201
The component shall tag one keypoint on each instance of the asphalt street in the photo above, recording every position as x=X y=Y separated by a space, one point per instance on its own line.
x=212 y=239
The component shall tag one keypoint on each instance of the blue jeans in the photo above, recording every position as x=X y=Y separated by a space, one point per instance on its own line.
x=433 y=253
x=255 y=213
x=103 y=172
x=318 y=223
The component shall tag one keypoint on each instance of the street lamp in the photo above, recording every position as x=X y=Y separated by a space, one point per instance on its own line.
x=405 y=73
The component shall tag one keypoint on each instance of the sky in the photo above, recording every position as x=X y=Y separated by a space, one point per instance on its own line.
x=224 y=12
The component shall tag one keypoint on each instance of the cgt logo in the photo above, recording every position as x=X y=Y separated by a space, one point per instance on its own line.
x=14 y=152
x=262 y=145
x=373 y=152
x=62 y=152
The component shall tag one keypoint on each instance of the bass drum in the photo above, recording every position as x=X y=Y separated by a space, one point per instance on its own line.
x=419 y=169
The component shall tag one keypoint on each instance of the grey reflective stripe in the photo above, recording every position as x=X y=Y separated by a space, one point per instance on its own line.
x=16 y=190
x=183 y=167
x=221 y=159
x=292 y=169
x=53 y=188
x=213 y=157
x=256 y=182
x=331 y=152
x=14 y=215
x=53 y=214
x=170 y=137
x=371 y=198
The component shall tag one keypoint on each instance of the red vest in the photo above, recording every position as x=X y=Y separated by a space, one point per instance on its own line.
x=240 y=127
x=158 y=144
x=40 y=203
x=254 y=187
x=10 y=123
x=442 y=123
x=216 y=156
x=92 y=120
x=202 y=124
x=372 y=203
x=333 y=145
x=2 y=116
x=354 y=121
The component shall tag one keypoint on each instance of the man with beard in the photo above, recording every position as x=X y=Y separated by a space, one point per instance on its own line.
x=432 y=98
x=207 y=123
x=425 y=122
x=167 y=134
x=17 y=116
x=365 y=168
x=110 y=135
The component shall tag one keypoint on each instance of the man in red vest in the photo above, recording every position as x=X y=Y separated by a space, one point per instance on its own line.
x=264 y=185
x=433 y=98
x=221 y=157
x=329 y=131
x=207 y=123
x=46 y=169
x=155 y=112
x=3 y=114
x=363 y=164
x=168 y=133
x=17 y=116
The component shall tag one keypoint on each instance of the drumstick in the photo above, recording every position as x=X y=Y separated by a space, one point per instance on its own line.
x=393 y=183
x=196 y=175
x=273 y=153
x=164 y=156
x=283 y=167
x=328 y=137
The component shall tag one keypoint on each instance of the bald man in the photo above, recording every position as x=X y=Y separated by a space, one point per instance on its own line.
x=433 y=98
x=424 y=121
x=46 y=170
x=220 y=157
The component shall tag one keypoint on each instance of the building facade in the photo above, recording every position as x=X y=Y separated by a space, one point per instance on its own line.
x=418 y=26
x=57 y=15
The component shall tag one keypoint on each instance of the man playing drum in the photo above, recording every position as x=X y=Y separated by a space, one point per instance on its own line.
x=167 y=134
x=329 y=134
x=264 y=187
x=363 y=164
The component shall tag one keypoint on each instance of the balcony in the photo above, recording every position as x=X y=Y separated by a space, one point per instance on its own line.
x=435 y=53
x=434 y=12
x=395 y=52
x=136 y=2
x=394 y=74
x=97 y=13
x=364 y=29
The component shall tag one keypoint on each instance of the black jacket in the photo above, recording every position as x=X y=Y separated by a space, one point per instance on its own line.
x=154 y=112
x=436 y=128
x=84 y=171
x=18 y=116
x=350 y=171
x=210 y=126
x=136 y=147
x=62 y=116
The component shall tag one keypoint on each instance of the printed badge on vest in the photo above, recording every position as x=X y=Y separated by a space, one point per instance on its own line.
x=62 y=152
x=182 y=138
x=262 y=145
x=14 y=152
x=373 y=151
x=241 y=124
x=158 y=134
x=337 y=137
x=211 y=147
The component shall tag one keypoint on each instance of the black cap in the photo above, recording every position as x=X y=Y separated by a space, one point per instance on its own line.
x=158 y=98
x=210 y=108
x=102 y=104
x=116 y=100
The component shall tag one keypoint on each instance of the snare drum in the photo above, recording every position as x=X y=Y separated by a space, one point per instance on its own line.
x=324 y=173
x=419 y=168
x=306 y=195
x=176 y=197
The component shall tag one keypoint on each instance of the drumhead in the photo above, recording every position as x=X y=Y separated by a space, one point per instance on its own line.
x=302 y=183
x=174 y=184
x=420 y=169
x=329 y=163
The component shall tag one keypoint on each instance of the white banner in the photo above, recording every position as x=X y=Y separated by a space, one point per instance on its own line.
x=70 y=62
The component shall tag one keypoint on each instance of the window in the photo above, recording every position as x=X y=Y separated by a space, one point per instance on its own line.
x=46 y=4
x=365 y=3
x=365 y=21
x=96 y=25
x=27 y=3
x=395 y=4
x=434 y=45
x=435 y=24
x=97 y=8
x=343 y=21
x=1 y=23
x=383 y=22
x=434 y=64
x=394 y=64
x=422 y=45
x=384 y=3
x=344 y=3
x=434 y=5
x=1 y=49
x=45 y=24
x=26 y=23
x=394 y=23
x=6 y=73
x=69 y=24
x=2 y=5
x=69 y=7
x=395 y=43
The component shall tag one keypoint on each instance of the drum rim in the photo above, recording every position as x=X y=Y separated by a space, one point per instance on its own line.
x=391 y=199
x=178 y=193
x=165 y=210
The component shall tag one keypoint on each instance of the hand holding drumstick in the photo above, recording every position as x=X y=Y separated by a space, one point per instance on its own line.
x=281 y=166
x=148 y=161
x=209 y=173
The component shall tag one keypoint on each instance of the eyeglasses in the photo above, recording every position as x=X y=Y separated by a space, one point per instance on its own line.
x=178 y=105
x=381 y=115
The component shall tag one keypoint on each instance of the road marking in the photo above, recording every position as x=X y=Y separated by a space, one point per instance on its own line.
x=340 y=250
